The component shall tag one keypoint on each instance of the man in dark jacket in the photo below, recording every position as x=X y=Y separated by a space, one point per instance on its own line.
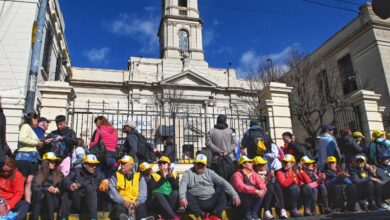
x=40 y=130
x=293 y=147
x=80 y=188
x=63 y=134
x=366 y=186
x=383 y=173
x=131 y=142
x=249 y=140
x=348 y=146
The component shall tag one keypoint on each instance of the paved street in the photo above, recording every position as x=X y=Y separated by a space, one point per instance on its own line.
x=354 y=216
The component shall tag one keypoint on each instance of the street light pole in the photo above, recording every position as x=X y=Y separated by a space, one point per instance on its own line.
x=35 y=58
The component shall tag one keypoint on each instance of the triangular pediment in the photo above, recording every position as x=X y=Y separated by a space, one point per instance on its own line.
x=188 y=78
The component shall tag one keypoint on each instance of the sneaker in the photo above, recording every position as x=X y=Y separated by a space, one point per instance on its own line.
x=283 y=214
x=295 y=213
x=268 y=215
x=372 y=207
x=327 y=210
x=176 y=217
x=308 y=212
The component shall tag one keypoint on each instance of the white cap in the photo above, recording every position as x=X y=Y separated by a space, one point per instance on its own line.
x=201 y=158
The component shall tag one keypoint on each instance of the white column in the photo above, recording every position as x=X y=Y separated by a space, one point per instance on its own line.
x=370 y=112
x=276 y=106
x=13 y=106
x=56 y=97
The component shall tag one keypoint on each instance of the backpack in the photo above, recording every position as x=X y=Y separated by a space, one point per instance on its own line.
x=145 y=152
x=256 y=142
x=379 y=148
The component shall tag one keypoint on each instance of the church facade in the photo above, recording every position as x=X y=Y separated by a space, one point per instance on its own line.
x=180 y=82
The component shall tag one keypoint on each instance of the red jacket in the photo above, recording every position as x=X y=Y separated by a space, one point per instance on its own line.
x=109 y=136
x=12 y=189
x=286 y=178
x=239 y=184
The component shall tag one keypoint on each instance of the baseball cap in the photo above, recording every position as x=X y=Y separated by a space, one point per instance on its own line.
x=50 y=156
x=131 y=124
x=376 y=134
x=327 y=128
x=164 y=159
x=331 y=159
x=289 y=158
x=90 y=158
x=244 y=159
x=145 y=166
x=358 y=134
x=306 y=159
x=259 y=160
x=201 y=158
x=360 y=157
x=126 y=159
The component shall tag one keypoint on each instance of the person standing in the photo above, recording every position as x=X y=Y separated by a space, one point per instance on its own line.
x=169 y=148
x=63 y=141
x=293 y=147
x=131 y=142
x=327 y=146
x=250 y=139
x=40 y=130
x=106 y=132
x=27 y=156
x=377 y=145
x=348 y=146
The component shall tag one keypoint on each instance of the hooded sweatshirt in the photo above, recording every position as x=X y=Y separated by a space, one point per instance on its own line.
x=109 y=136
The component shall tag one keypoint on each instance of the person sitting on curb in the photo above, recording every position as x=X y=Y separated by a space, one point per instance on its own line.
x=46 y=188
x=337 y=181
x=197 y=192
x=165 y=186
x=316 y=186
x=250 y=187
x=12 y=188
x=366 y=186
x=288 y=180
x=81 y=186
x=129 y=192
x=273 y=188
x=383 y=173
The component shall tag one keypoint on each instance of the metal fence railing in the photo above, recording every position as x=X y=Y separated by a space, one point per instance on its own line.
x=187 y=129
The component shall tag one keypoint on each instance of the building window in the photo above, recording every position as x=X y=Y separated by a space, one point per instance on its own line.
x=183 y=3
x=46 y=59
x=323 y=84
x=183 y=40
x=347 y=74
x=183 y=12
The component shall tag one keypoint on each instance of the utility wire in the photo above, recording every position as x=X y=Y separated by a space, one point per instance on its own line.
x=347 y=2
x=263 y=11
x=330 y=6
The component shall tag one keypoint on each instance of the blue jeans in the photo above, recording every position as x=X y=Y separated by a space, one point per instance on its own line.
x=250 y=203
x=108 y=167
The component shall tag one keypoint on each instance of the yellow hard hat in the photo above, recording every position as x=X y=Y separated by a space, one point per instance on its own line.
x=90 y=158
x=50 y=156
x=331 y=159
x=126 y=159
x=358 y=134
x=244 y=159
x=144 y=166
x=289 y=158
x=259 y=160
x=164 y=159
x=376 y=134
x=307 y=160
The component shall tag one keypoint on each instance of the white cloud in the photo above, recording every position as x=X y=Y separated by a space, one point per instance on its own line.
x=223 y=49
x=208 y=37
x=250 y=59
x=97 y=55
x=141 y=27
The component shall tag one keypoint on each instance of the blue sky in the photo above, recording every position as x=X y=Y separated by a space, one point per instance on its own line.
x=104 y=34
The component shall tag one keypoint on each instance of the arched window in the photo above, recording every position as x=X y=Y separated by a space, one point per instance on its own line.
x=183 y=40
x=183 y=3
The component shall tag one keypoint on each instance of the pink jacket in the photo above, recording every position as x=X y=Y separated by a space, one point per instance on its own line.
x=240 y=186
x=109 y=136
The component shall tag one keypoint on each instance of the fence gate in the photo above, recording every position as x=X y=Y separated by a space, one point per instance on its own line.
x=348 y=117
x=187 y=129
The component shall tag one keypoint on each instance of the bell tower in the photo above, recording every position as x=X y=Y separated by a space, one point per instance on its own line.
x=180 y=30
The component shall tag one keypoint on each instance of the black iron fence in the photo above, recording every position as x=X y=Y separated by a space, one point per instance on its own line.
x=187 y=129
x=348 y=117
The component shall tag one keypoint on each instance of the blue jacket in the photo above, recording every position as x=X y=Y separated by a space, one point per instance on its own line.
x=40 y=133
x=327 y=147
